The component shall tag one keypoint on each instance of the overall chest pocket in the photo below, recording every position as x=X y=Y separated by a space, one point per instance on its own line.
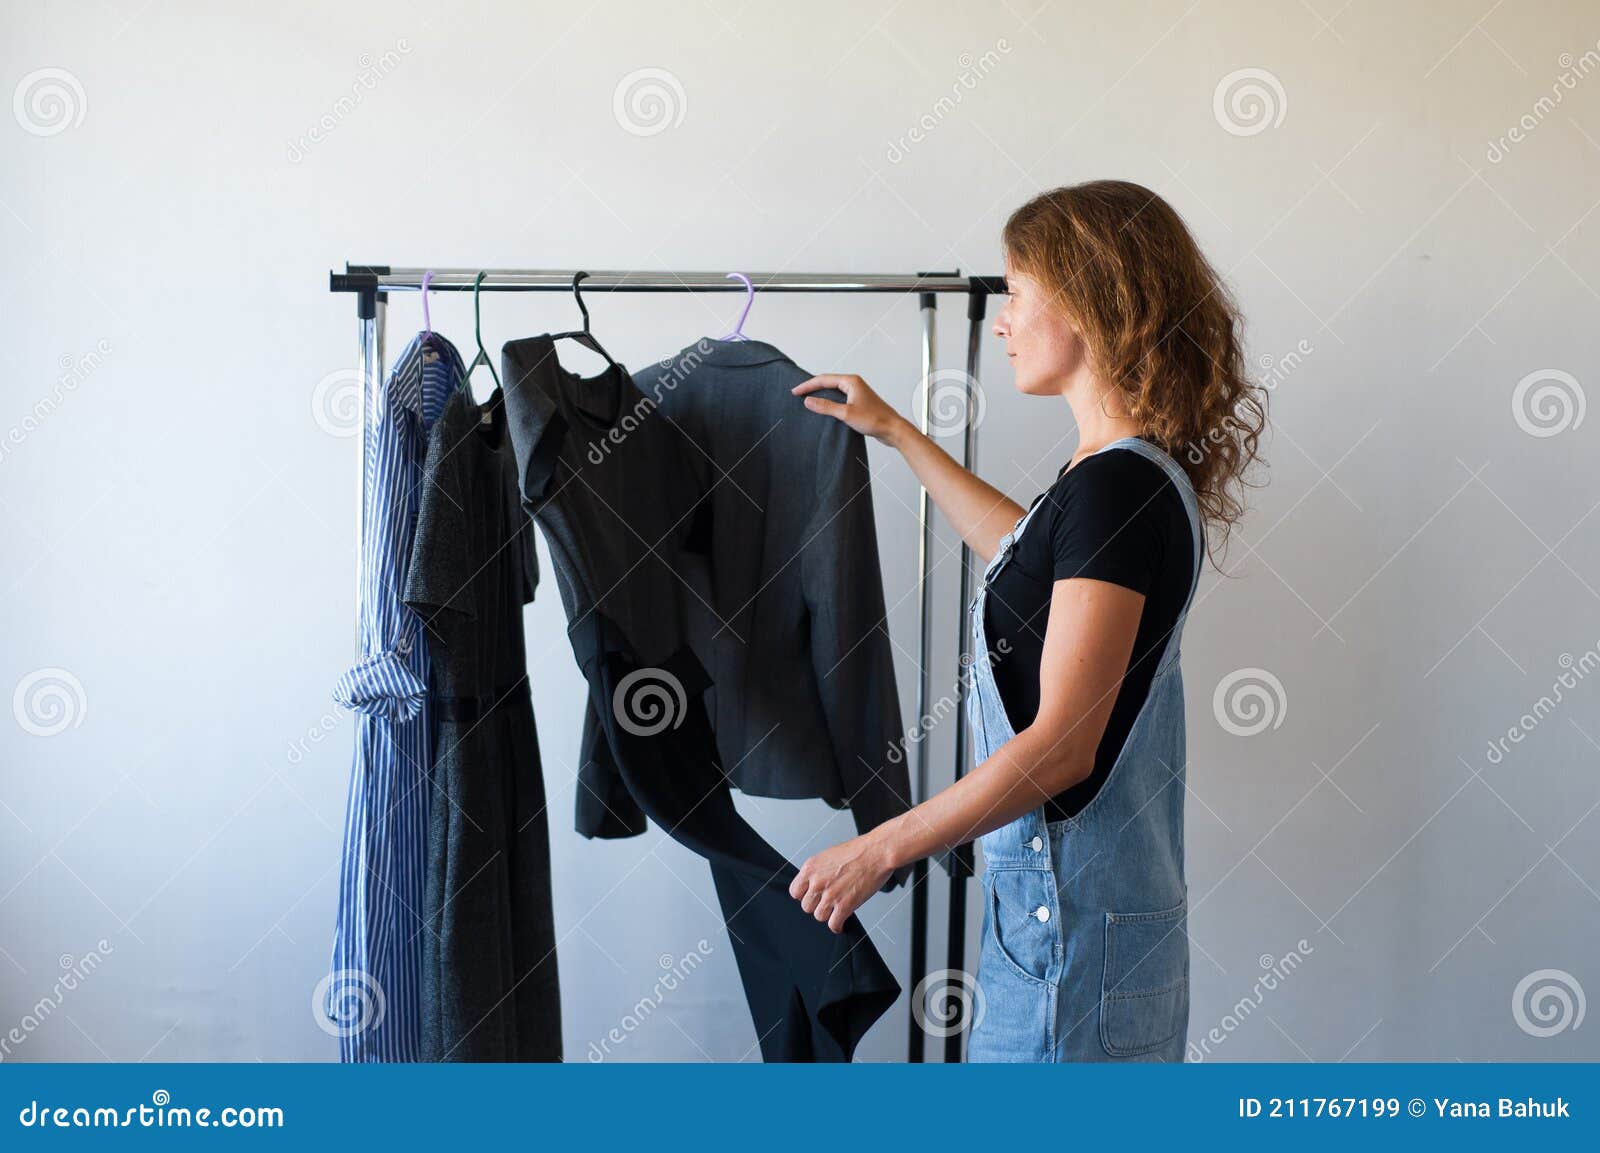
x=1144 y=994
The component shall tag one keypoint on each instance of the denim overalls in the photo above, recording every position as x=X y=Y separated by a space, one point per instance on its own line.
x=1085 y=953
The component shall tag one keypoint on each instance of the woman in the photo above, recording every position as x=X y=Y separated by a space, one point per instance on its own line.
x=1076 y=700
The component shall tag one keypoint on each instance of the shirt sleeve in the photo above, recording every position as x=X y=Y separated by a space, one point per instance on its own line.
x=384 y=682
x=1107 y=521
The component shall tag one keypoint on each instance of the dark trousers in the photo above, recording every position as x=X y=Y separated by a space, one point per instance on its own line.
x=813 y=994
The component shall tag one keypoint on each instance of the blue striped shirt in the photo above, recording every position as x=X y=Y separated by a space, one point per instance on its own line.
x=373 y=1002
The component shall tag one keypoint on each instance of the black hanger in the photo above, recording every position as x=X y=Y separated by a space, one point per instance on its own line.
x=583 y=336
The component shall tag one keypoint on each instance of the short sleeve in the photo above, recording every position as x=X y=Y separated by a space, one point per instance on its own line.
x=443 y=563
x=534 y=421
x=1107 y=522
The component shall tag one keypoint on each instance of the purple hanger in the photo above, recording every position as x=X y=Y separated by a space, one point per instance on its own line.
x=749 y=299
x=427 y=323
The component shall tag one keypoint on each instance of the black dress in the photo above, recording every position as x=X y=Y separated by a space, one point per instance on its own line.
x=489 y=986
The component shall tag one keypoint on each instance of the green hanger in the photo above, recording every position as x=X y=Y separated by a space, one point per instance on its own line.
x=477 y=331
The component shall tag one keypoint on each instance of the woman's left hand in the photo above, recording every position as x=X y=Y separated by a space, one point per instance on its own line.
x=836 y=882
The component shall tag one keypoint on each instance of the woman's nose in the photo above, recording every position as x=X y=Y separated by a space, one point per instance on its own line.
x=1002 y=322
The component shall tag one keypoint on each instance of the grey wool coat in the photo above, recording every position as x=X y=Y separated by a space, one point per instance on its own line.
x=804 y=700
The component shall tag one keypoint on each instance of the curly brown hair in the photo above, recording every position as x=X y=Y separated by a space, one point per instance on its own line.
x=1159 y=324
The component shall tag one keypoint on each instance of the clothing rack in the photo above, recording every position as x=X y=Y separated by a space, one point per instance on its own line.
x=371 y=284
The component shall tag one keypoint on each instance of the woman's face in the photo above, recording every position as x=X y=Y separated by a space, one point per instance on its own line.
x=1045 y=349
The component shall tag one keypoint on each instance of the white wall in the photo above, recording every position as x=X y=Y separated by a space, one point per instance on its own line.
x=178 y=524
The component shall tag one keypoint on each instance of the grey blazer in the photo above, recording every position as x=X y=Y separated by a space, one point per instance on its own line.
x=804 y=699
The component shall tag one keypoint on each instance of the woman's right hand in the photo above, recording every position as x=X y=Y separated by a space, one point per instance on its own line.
x=862 y=409
x=980 y=513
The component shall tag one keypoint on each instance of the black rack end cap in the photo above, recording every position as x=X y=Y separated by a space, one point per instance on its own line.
x=361 y=279
x=983 y=287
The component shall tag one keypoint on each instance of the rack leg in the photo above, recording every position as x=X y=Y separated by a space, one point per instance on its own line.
x=366 y=366
x=961 y=861
x=919 y=871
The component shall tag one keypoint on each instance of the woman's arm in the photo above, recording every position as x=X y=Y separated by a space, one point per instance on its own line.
x=1088 y=640
x=981 y=513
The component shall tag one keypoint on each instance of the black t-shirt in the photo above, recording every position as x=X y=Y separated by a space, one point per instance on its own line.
x=1114 y=516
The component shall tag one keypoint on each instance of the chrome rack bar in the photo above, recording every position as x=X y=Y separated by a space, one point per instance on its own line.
x=383 y=278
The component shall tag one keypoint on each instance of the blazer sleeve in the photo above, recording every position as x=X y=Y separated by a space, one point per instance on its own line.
x=850 y=651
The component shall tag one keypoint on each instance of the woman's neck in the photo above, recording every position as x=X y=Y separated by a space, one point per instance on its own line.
x=1101 y=418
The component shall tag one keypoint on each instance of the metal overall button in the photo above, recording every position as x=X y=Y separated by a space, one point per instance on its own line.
x=1037 y=844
